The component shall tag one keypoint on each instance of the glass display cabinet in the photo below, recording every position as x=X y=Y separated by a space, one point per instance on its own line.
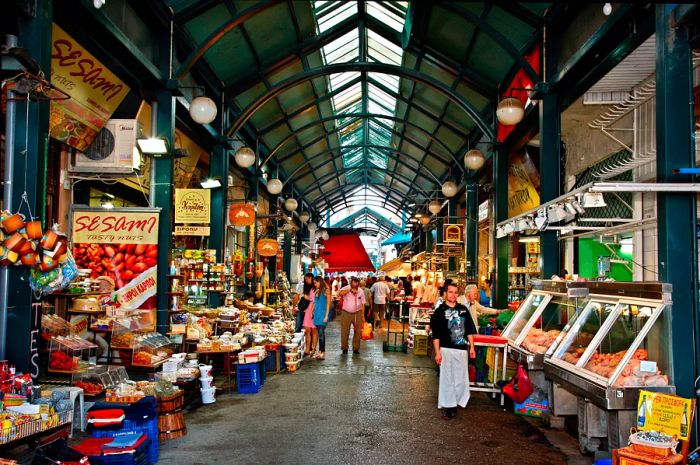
x=620 y=343
x=543 y=319
x=151 y=350
x=70 y=354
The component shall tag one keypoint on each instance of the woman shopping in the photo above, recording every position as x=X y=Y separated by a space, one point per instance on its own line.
x=321 y=311
x=309 y=327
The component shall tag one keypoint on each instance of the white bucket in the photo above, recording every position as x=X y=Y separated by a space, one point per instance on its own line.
x=207 y=382
x=205 y=370
x=208 y=395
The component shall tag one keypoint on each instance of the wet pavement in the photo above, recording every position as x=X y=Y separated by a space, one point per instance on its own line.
x=373 y=408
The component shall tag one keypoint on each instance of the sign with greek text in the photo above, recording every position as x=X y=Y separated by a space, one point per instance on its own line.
x=665 y=413
x=192 y=231
x=95 y=92
x=192 y=205
x=134 y=294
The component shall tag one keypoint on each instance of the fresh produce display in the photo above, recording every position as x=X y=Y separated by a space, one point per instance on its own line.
x=90 y=389
x=61 y=361
x=121 y=262
x=143 y=358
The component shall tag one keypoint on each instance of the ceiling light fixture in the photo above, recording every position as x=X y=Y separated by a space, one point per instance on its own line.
x=424 y=220
x=607 y=9
x=449 y=189
x=274 y=186
x=435 y=206
x=527 y=239
x=154 y=146
x=593 y=200
x=291 y=204
x=304 y=217
x=510 y=111
x=210 y=183
x=474 y=159
x=203 y=109
x=245 y=157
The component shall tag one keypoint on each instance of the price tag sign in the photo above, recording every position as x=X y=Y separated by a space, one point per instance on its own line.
x=665 y=413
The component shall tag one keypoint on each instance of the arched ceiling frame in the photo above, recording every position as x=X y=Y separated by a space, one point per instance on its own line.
x=340 y=194
x=380 y=68
x=395 y=119
x=367 y=213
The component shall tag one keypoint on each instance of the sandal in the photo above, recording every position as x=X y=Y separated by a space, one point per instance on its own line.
x=320 y=356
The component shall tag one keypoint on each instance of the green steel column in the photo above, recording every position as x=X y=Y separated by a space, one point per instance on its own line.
x=676 y=212
x=162 y=197
x=218 y=168
x=500 y=213
x=287 y=257
x=21 y=316
x=471 y=231
x=428 y=240
x=550 y=177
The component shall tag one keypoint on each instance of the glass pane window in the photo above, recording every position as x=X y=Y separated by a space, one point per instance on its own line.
x=392 y=14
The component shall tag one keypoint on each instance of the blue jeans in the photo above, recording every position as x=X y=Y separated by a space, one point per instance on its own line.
x=299 y=321
x=321 y=337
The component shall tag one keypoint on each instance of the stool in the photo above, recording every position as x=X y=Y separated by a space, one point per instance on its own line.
x=76 y=393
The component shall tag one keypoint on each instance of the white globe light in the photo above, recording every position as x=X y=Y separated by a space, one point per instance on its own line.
x=274 y=186
x=510 y=111
x=474 y=159
x=325 y=235
x=245 y=157
x=304 y=217
x=203 y=110
x=449 y=189
x=291 y=204
x=424 y=220
x=312 y=227
x=435 y=206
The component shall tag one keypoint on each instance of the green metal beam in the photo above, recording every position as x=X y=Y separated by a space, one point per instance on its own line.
x=550 y=176
x=676 y=212
x=471 y=231
x=500 y=207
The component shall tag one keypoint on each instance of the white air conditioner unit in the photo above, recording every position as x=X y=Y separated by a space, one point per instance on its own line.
x=113 y=151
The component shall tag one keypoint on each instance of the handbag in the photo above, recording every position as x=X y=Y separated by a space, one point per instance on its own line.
x=303 y=304
x=519 y=388
x=367 y=331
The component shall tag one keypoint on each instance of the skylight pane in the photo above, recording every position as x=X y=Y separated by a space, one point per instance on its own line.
x=343 y=49
x=328 y=14
x=387 y=80
x=383 y=50
x=390 y=17
x=340 y=79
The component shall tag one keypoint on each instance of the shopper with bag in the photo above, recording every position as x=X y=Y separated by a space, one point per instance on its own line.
x=453 y=343
x=322 y=310
x=301 y=300
x=353 y=299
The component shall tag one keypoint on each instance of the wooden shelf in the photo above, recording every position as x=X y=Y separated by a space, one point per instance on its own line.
x=176 y=276
x=175 y=293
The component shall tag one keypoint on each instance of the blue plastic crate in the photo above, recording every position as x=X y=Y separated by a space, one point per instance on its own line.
x=248 y=378
x=149 y=428
x=140 y=457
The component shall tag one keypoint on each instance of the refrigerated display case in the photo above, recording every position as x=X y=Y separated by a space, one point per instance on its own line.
x=543 y=319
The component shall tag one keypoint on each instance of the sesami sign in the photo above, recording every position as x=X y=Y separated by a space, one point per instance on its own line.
x=94 y=90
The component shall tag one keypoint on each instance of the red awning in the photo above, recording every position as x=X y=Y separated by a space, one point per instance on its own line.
x=345 y=252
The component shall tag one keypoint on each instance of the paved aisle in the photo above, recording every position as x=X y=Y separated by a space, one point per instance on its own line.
x=375 y=408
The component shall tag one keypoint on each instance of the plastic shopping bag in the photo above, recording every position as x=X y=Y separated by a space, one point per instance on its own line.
x=519 y=388
x=367 y=331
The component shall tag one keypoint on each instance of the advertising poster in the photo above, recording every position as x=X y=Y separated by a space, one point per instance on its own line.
x=95 y=92
x=665 y=413
x=192 y=205
x=523 y=184
x=121 y=244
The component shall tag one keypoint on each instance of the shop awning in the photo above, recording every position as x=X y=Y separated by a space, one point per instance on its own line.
x=345 y=252
x=397 y=239
x=395 y=268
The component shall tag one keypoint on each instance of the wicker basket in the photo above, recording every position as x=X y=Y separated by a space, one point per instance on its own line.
x=171 y=403
x=651 y=450
x=171 y=426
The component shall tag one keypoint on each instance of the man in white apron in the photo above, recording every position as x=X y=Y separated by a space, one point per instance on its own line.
x=453 y=343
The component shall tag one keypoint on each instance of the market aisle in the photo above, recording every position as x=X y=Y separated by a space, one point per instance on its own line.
x=375 y=408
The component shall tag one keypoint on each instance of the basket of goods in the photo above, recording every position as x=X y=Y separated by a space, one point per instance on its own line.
x=653 y=443
x=90 y=389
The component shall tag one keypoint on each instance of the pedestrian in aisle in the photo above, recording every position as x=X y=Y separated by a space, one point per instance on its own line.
x=408 y=286
x=322 y=308
x=380 y=292
x=351 y=314
x=418 y=290
x=453 y=343
x=301 y=300
x=368 y=301
x=309 y=327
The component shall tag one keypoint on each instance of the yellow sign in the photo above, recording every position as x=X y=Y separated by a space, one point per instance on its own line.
x=452 y=233
x=114 y=227
x=192 y=205
x=523 y=184
x=94 y=90
x=665 y=413
x=192 y=231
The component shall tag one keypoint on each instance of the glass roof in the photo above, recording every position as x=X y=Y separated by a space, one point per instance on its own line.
x=362 y=97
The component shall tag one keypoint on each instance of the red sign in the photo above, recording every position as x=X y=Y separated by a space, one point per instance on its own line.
x=241 y=214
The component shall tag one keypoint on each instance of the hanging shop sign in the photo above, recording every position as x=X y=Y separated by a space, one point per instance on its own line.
x=484 y=211
x=95 y=92
x=665 y=413
x=192 y=231
x=453 y=233
x=121 y=244
x=523 y=184
x=192 y=205
x=241 y=214
x=267 y=247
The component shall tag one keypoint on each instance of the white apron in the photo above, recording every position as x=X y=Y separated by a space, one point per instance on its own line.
x=454 y=378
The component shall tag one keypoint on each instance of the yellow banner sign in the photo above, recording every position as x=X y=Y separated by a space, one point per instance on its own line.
x=192 y=205
x=665 y=413
x=114 y=227
x=94 y=90
x=192 y=231
x=523 y=184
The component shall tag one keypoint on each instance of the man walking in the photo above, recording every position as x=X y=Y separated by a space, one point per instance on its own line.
x=380 y=292
x=352 y=311
x=453 y=342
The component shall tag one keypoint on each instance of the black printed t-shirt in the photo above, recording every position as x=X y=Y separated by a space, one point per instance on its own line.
x=452 y=325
